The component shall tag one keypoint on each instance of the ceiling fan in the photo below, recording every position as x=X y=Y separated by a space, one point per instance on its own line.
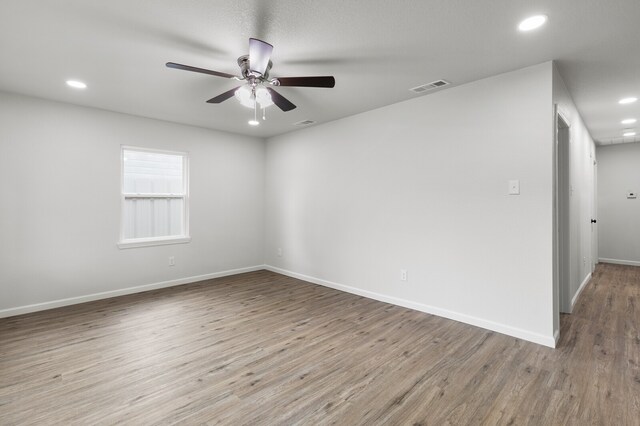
x=256 y=91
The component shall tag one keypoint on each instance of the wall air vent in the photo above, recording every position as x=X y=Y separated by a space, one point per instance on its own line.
x=430 y=86
x=304 y=123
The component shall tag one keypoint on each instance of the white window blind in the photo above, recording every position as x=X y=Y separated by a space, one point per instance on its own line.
x=154 y=197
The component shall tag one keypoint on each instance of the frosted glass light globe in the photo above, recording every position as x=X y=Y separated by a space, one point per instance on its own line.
x=244 y=96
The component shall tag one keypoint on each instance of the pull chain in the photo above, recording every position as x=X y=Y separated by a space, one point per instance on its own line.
x=255 y=110
x=255 y=106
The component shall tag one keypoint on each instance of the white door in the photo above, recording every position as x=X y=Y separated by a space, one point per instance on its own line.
x=563 y=214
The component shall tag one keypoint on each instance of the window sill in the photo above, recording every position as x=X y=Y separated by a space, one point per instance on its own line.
x=148 y=242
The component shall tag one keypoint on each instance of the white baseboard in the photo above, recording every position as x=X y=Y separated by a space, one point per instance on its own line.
x=121 y=292
x=549 y=341
x=619 y=261
x=582 y=286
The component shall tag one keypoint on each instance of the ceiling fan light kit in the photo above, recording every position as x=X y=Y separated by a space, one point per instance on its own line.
x=248 y=98
x=254 y=71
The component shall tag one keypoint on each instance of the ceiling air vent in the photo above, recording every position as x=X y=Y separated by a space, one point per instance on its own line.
x=304 y=123
x=430 y=86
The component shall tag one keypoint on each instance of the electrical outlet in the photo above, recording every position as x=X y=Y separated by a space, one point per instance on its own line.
x=404 y=275
x=172 y=261
x=279 y=252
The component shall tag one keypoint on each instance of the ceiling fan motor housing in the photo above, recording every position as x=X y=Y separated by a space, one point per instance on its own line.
x=246 y=71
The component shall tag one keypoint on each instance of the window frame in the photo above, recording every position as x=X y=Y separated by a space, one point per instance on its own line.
x=154 y=241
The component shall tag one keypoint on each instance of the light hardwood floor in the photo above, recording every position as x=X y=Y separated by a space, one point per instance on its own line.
x=261 y=348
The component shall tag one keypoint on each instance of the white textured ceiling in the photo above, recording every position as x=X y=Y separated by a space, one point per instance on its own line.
x=376 y=49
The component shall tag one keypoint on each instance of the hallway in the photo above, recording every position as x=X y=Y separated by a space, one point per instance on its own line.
x=597 y=362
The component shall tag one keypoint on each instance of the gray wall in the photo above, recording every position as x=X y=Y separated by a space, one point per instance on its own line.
x=618 y=216
x=422 y=186
x=60 y=215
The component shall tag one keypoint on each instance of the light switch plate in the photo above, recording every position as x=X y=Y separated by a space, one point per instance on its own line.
x=514 y=187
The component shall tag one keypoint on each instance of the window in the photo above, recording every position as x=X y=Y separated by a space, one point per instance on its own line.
x=154 y=198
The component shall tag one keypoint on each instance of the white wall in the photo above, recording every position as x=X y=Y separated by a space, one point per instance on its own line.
x=581 y=200
x=422 y=185
x=60 y=212
x=618 y=216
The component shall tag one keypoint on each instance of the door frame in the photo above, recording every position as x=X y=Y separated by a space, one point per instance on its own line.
x=594 y=213
x=561 y=225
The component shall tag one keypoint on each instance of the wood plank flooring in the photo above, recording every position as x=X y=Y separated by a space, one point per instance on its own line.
x=261 y=348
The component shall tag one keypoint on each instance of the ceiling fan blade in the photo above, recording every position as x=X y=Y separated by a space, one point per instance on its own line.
x=324 y=81
x=259 y=55
x=200 y=70
x=282 y=102
x=224 y=96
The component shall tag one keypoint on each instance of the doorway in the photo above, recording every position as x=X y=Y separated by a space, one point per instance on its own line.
x=562 y=212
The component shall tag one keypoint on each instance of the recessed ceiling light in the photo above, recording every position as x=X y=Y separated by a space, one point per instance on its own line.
x=628 y=121
x=630 y=100
x=76 y=84
x=629 y=133
x=532 y=23
x=253 y=122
